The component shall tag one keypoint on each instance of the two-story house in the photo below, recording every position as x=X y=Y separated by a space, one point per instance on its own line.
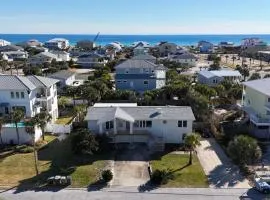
x=256 y=104
x=30 y=93
x=139 y=75
x=128 y=123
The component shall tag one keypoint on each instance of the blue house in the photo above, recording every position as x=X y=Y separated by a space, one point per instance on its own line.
x=139 y=75
x=205 y=47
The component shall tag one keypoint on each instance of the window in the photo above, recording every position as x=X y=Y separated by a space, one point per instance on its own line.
x=124 y=81
x=267 y=112
x=12 y=95
x=268 y=100
x=17 y=95
x=180 y=124
x=127 y=71
x=22 y=95
x=149 y=124
x=143 y=124
x=109 y=125
x=184 y=123
x=118 y=81
x=145 y=82
x=146 y=70
x=153 y=71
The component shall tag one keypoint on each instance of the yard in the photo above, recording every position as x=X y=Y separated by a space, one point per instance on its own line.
x=54 y=159
x=184 y=175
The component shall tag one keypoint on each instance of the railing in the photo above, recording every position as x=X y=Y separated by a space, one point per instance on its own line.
x=259 y=119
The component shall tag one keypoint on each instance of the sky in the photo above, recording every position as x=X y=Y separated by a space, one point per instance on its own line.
x=135 y=16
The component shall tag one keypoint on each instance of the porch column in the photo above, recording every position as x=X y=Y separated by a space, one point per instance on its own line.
x=100 y=128
x=114 y=126
x=131 y=128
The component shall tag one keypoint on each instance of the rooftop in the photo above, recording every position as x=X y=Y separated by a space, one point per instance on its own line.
x=141 y=113
x=14 y=82
x=62 y=74
x=219 y=73
x=132 y=63
x=260 y=85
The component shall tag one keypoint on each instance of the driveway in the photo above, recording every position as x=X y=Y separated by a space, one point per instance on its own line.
x=130 y=167
x=221 y=172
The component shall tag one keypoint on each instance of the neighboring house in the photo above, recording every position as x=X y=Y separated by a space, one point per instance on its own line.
x=139 y=75
x=4 y=43
x=10 y=48
x=205 y=47
x=14 y=55
x=30 y=93
x=215 y=77
x=114 y=46
x=140 y=48
x=61 y=55
x=225 y=44
x=184 y=58
x=92 y=60
x=65 y=77
x=44 y=57
x=256 y=104
x=30 y=43
x=143 y=124
x=146 y=57
x=250 y=42
x=86 y=44
x=57 y=43
x=166 y=48
x=140 y=43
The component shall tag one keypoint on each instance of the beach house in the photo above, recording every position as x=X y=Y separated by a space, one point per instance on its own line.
x=186 y=58
x=128 y=123
x=57 y=43
x=4 y=43
x=32 y=94
x=215 y=77
x=65 y=77
x=139 y=75
x=166 y=48
x=205 y=47
x=91 y=60
x=256 y=104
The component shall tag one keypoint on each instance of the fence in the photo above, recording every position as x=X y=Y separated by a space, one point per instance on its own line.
x=60 y=128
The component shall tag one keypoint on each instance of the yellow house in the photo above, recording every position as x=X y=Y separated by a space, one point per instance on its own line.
x=256 y=104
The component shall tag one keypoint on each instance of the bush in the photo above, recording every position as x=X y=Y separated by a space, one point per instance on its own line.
x=24 y=149
x=107 y=175
x=160 y=177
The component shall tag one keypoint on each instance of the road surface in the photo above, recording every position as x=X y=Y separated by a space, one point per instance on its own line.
x=132 y=193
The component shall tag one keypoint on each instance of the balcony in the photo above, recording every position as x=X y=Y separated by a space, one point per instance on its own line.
x=256 y=118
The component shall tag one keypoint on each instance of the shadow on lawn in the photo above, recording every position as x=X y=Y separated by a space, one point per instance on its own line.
x=62 y=162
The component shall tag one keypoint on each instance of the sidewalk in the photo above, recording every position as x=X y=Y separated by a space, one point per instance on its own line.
x=221 y=172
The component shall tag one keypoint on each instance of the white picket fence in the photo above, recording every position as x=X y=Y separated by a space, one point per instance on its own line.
x=59 y=128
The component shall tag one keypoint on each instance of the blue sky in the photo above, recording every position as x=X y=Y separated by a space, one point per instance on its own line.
x=135 y=17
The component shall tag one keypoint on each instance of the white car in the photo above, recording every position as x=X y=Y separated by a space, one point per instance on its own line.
x=262 y=181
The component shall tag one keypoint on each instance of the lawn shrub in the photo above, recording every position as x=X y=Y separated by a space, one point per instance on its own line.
x=107 y=175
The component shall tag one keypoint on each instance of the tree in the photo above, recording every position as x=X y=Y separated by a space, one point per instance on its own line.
x=233 y=58
x=244 y=150
x=83 y=142
x=72 y=92
x=30 y=129
x=255 y=76
x=266 y=76
x=16 y=116
x=62 y=102
x=79 y=109
x=3 y=65
x=90 y=94
x=70 y=63
x=226 y=58
x=192 y=141
x=42 y=119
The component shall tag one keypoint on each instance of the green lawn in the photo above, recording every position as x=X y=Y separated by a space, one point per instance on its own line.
x=55 y=159
x=184 y=176
x=64 y=120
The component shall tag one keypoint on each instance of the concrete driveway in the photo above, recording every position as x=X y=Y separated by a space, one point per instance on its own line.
x=221 y=172
x=130 y=167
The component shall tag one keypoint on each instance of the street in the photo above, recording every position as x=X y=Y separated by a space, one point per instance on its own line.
x=132 y=193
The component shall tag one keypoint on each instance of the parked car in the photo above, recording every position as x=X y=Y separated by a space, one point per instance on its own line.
x=59 y=180
x=261 y=181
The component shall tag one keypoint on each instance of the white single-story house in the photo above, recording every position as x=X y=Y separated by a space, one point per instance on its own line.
x=144 y=124
x=9 y=134
x=65 y=77
x=215 y=77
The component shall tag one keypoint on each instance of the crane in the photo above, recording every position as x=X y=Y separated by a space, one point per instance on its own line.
x=95 y=39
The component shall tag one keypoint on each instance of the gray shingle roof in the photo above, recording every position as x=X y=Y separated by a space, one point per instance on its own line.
x=219 y=73
x=63 y=74
x=184 y=56
x=41 y=81
x=260 y=85
x=13 y=82
x=131 y=63
x=11 y=48
x=143 y=113
x=144 y=57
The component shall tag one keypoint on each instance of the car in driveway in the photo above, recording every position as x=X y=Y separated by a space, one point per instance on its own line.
x=262 y=181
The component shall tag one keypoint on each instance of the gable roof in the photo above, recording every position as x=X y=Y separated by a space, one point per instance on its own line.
x=144 y=57
x=63 y=74
x=46 y=55
x=260 y=85
x=131 y=63
x=140 y=113
x=10 y=48
x=13 y=82
x=41 y=81
x=219 y=73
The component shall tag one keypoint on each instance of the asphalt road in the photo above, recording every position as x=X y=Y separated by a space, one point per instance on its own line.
x=132 y=193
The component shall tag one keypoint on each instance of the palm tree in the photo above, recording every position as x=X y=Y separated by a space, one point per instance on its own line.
x=226 y=58
x=17 y=68
x=30 y=129
x=79 y=109
x=42 y=119
x=192 y=141
x=16 y=116
x=233 y=59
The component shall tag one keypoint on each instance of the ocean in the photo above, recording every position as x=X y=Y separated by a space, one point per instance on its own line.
x=183 y=40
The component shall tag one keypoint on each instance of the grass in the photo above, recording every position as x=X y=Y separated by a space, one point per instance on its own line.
x=184 y=175
x=56 y=159
x=64 y=120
